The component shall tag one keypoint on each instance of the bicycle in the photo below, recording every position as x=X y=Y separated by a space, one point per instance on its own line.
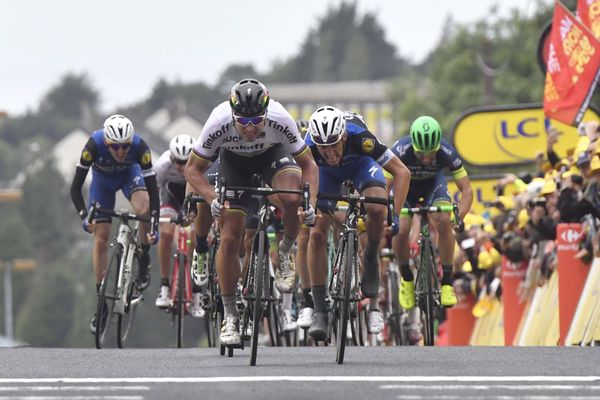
x=344 y=282
x=212 y=302
x=181 y=282
x=427 y=283
x=118 y=294
x=257 y=289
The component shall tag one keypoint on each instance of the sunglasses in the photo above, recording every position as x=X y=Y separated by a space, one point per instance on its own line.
x=117 y=146
x=425 y=153
x=245 y=121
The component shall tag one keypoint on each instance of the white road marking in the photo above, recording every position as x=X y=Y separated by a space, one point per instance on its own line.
x=488 y=397
x=71 y=398
x=70 y=388
x=284 y=378
x=488 y=387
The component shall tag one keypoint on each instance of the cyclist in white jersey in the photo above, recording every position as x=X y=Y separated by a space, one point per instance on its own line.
x=253 y=135
x=171 y=182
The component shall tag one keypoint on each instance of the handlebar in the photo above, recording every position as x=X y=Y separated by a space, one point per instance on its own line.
x=356 y=198
x=423 y=211
x=353 y=198
x=123 y=215
x=263 y=191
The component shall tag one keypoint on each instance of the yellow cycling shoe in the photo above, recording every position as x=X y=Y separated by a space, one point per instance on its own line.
x=407 y=294
x=448 y=298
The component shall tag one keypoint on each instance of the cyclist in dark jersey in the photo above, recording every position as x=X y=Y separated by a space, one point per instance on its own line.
x=344 y=149
x=427 y=155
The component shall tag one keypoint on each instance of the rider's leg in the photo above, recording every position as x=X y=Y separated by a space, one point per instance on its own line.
x=318 y=268
x=228 y=263
x=288 y=178
x=100 y=253
x=202 y=224
x=445 y=244
x=167 y=231
x=141 y=205
x=375 y=218
x=307 y=309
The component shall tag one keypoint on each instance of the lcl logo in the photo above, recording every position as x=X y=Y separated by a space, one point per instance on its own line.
x=570 y=236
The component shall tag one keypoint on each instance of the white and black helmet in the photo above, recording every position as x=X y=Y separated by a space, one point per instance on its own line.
x=327 y=126
x=181 y=147
x=118 y=129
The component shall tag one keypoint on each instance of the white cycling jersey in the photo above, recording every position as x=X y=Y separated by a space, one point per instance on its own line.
x=219 y=132
x=166 y=171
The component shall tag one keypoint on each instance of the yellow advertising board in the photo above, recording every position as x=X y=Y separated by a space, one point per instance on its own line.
x=513 y=135
x=483 y=191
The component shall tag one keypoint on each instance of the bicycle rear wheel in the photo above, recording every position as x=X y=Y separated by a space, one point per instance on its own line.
x=125 y=320
x=107 y=296
x=180 y=306
x=262 y=248
x=344 y=303
x=395 y=331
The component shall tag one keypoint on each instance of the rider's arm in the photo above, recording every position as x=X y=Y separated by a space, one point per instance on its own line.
x=149 y=175
x=401 y=181
x=466 y=195
x=310 y=172
x=194 y=174
x=87 y=157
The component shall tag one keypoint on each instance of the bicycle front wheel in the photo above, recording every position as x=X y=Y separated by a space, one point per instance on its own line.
x=125 y=321
x=427 y=296
x=260 y=269
x=344 y=303
x=107 y=296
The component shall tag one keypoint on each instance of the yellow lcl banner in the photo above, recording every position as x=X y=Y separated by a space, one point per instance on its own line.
x=483 y=191
x=497 y=136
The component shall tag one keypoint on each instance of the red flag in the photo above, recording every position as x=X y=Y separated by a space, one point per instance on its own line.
x=588 y=12
x=573 y=68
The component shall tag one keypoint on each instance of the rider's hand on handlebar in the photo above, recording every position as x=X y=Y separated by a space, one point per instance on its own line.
x=153 y=236
x=87 y=225
x=308 y=215
x=395 y=228
x=216 y=207
x=459 y=227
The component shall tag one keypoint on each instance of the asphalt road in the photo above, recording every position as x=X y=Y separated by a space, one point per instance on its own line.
x=301 y=373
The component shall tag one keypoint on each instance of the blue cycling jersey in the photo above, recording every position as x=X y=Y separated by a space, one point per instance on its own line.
x=97 y=155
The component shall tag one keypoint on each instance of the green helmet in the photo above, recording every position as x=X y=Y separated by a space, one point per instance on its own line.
x=425 y=134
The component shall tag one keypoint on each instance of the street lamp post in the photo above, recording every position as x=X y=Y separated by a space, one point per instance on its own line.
x=17 y=264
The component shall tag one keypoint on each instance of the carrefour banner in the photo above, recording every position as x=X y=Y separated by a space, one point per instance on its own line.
x=509 y=135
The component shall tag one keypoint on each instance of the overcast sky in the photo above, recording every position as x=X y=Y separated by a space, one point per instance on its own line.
x=125 y=46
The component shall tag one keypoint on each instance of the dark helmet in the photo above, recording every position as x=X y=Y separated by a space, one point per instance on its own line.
x=249 y=98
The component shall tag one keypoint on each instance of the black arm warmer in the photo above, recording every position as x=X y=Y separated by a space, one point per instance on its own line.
x=76 y=196
x=152 y=187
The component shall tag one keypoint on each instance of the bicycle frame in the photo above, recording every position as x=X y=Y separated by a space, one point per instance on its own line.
x=257 y=282
x=123 y=295
x=344 y=282
x=181 y=256
x=427 y=283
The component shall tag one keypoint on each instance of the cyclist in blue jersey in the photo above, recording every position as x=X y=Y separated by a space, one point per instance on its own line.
x=427 y=155
x=120 y=160
x=345 y=149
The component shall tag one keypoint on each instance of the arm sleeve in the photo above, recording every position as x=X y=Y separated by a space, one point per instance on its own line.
x=152 y=188
x=76 y=196
x=88 y=155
